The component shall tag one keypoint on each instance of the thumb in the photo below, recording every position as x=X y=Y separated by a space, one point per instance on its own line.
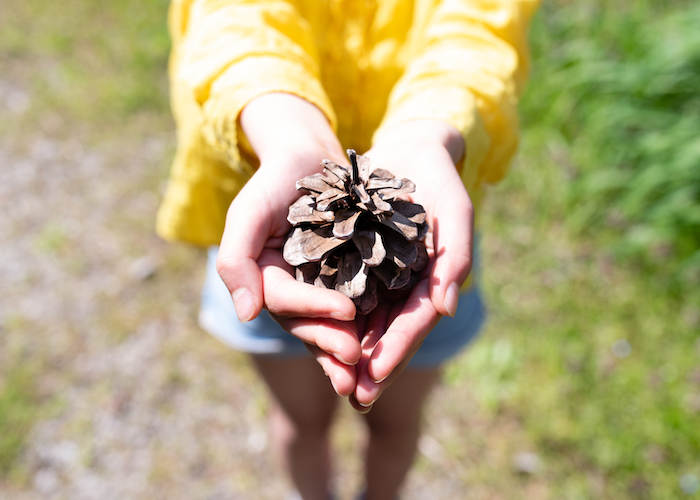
x=244 y=238
x=453 y=233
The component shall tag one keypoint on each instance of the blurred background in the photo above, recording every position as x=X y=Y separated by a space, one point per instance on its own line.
x=586 y=384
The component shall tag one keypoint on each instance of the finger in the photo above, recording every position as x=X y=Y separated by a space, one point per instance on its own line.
x=375 y=326
x=367 y=391
x=418 y=316
x=244 y=237
x=393 y=351
x=343 y=377
x=361 y=408
x=453 y=235
x=339 y=339
x=285 y=296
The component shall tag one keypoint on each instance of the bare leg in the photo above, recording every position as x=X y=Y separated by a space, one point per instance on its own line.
x=301 y=413
x=394 y=428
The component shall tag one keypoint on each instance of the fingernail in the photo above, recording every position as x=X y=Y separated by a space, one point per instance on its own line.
x=340 y=316
x=370 y=371
x=451 y=299
x=368 y=405
x=244 y=304
x=364 y=409
x=334 y=387
x=342 y=360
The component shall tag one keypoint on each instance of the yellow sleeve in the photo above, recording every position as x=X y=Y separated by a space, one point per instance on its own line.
x=467 y=64
x=227 y=52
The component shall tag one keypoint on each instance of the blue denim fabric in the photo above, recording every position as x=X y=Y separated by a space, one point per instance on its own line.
x=263 y=335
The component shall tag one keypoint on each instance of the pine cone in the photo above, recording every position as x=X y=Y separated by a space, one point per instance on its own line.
x=352 y=233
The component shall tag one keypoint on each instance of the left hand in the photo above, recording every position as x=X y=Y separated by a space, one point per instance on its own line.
x=424 y=151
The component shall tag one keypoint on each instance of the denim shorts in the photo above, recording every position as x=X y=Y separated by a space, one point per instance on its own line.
x=264 y=336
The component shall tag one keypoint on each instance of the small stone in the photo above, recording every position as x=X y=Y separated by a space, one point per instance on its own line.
x=257 y=441
x=621 y=349
x=46 y=481
x=526 y=462
x=143 y=268
x=690 y=483
x=432 y=449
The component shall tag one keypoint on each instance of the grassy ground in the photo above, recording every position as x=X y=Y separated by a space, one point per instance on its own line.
x=585 y=385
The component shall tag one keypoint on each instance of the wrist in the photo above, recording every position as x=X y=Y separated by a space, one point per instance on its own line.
x=423 y=133
x=281 y=126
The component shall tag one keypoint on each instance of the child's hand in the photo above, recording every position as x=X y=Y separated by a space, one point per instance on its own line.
x=424 y=151
x=290 y=137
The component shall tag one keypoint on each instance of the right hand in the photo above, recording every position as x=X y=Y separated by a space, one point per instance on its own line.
x=290 y=136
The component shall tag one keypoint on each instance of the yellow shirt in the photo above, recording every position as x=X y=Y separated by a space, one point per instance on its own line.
x=367 y=64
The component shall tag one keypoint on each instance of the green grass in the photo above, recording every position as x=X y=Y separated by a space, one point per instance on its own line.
x=618 y=88
x=100 y=62
x=19 y=410
x=594 y=339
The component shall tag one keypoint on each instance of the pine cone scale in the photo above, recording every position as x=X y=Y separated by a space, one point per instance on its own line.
x=361 y=193
x=328 y=273
x=370 y=246
x=400 y=224
x=389 y=194
x=380 y=183
x=307 y=272
x=352 y=275
x=409 y=211
x=380 y=205
x=394 y=278
x=362 y=167
x=344 y=226
x=316 y=183
x=340 y=173
x=369 y=300
x=303 y=211
x=318 y=242
x=403 y=253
